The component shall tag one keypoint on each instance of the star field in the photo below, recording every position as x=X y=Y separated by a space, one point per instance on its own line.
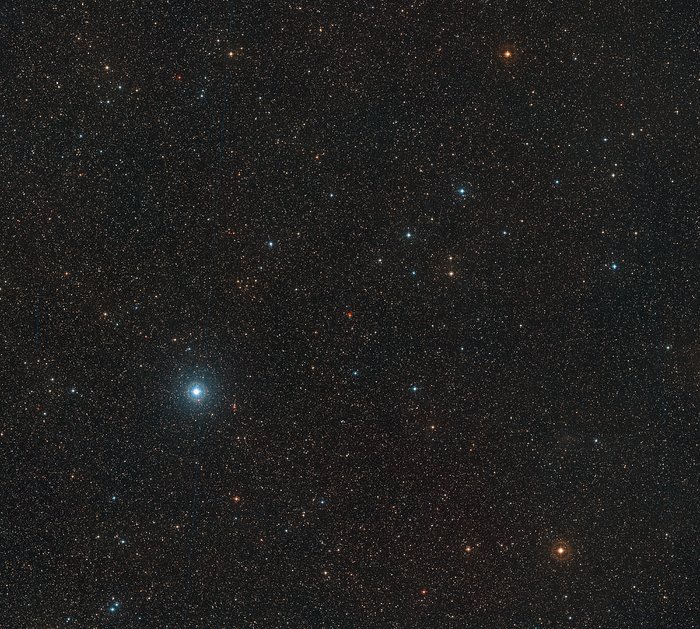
x=350 y=314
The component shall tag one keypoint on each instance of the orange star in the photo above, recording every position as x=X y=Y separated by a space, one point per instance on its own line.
x=562 y=551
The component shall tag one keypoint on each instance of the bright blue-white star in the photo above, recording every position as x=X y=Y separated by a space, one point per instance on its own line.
x=197 y=392
x=465 y=191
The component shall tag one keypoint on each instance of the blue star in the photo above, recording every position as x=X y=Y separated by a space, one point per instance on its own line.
x=465 y=191
x=270 y=244
x=409 y=235
x=614 y=266
x=197 y=392
x=414 y=388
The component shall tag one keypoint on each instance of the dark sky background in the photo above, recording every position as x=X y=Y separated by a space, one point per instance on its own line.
x=435 y=268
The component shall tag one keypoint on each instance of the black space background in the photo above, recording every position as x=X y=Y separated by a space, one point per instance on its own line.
x=420 y=421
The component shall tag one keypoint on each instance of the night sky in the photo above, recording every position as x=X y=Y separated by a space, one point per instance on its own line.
x=349 y=314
